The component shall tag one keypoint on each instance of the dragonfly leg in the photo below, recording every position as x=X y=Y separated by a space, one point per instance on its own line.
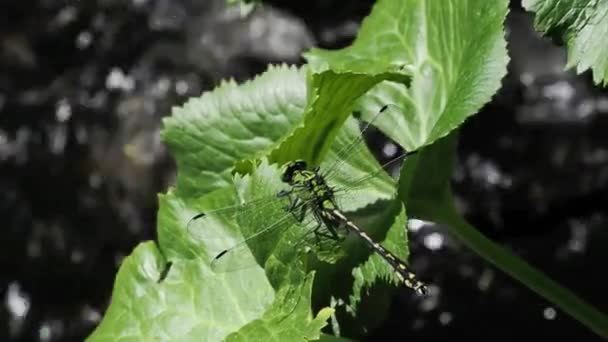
x=293 y=203
x=301 y=213
x=333 y=234
x=325 y=235
x=284 y=193
x=332 y=230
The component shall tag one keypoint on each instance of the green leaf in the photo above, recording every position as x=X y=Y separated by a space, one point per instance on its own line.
x=275 y=248
x=193 y=302
x=295 y=325
x=331 y=100
x=190 y=304
x=583 y=24
x=456 y=53
x=210 y=134
x=425 y=187
x=339 y=77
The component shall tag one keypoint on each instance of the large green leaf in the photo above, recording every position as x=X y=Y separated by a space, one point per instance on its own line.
x=294 y=325
x=208 y=135
x=340 y=77
x=192 y=301
x=583 y=24
x=456 y=53
x=331 y=100
x=190 y=304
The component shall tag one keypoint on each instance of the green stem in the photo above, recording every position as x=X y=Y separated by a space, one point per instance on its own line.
x=528 y=275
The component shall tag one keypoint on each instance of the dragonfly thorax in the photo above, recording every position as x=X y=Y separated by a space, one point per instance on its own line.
x=308 y=184
x=291 y=170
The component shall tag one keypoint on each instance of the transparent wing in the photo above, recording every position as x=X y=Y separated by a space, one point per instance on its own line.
x=364 y=181
x=354 y=169
x=357 y=193
x=357 y=142
x=219 y=225
x=255 y=248
x=196 y=224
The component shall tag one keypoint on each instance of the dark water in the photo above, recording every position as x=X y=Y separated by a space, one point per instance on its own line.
x=83 y=86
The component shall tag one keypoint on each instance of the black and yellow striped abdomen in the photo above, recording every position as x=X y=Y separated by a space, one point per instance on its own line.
x=409 y=278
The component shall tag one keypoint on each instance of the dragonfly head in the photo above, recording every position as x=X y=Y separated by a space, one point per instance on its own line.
x=291 y=168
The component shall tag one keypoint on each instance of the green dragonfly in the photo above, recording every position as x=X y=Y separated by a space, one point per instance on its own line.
x=312 y=202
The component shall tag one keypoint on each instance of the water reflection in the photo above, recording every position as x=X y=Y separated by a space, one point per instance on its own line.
x=17 y=303
x=549 y=313
x=434 y=241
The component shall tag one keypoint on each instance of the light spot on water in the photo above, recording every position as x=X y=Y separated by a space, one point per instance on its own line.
x=49 y=330
x=526 y=78
x=485 y=280
x=418 y=324
x=67 y=15
x=414 y=225
x=5 y=146
x=45 y=332
x=434 y=241
x=34 y=249
x=17 y=302
x=77 y=256
x=389 y=150
x=90 y=314
x=561 y=90
x=161 y=87
x=63 y=110
x=487 y=172
x=139 y=3
x=84 y=39
x=445 y=318
x=578 y=236
x=181 y=87
x=601 y=104
x=549 y=313
x=58 y=137
x=95 y=180
x=585 y=109
x=118 y=80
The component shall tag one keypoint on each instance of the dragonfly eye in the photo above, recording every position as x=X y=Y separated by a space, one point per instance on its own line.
x=291 y=169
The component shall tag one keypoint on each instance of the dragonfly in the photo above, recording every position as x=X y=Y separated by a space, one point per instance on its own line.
x=311 y=201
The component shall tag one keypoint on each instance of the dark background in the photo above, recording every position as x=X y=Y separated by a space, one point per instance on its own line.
x=83 y=86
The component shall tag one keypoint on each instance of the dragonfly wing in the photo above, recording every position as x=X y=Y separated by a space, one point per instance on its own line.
x=255 y=248
x=359 y=164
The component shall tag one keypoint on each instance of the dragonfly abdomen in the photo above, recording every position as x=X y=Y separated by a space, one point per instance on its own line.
x=407 y=277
